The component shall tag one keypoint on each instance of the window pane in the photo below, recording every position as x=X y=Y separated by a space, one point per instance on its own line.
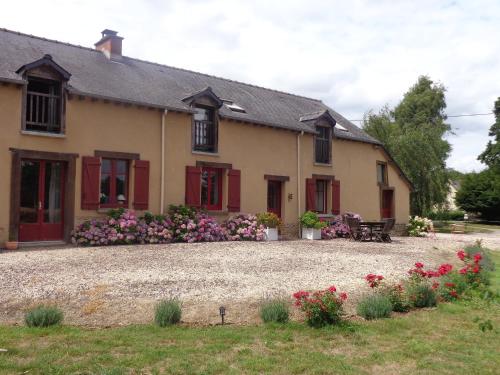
x=105 y=188
x=120 y=188
x=214 y=188
x=105 y=166
x=121 y=166
x=320 y=195
x=201 y=114
x=52 y=200
x=29 y=191
x=204 y=187
x=381 y=173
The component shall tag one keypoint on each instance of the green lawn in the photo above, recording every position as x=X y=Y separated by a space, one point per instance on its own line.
x=445 y=227
x=445 y=340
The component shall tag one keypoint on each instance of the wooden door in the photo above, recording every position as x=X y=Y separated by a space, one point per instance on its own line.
x=387 y=204
x=274 y=197
x=41 y=204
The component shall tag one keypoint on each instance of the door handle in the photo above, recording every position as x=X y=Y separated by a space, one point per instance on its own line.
x=39 y=205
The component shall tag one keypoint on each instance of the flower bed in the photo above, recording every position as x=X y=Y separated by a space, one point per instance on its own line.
x=337 y=228
x=182 y=224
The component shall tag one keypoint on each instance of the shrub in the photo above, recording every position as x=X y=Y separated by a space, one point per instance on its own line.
x=421 y=295
x=419 y=226
x=397 y=296
x=310 y=219
x=268 y=219
x=452 y=286
x=446 y=215
x=168 y=312
x=244 y=228
x=322 y=307
x=274 y=310
x=374 y=306
x=43 y=316
x=474 y=274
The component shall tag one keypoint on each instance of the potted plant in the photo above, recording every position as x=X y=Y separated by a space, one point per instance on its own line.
x=11 y=244
x=311 y=226
x=271 y=222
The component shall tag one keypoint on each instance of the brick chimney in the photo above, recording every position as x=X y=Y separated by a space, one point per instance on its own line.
x=110 y=44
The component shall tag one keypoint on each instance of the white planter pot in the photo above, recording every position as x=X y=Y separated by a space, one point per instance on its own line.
x=271 y=234
x=311 y=234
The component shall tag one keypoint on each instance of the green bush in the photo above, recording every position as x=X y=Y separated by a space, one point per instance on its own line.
x=268 y=219
x=452 y=286
x=310 y=219
x=43 y=316
x=274 y=310
x=374 y=306
x=446 y=215
x=421 y=295
x=168 y=312
x=397 y=296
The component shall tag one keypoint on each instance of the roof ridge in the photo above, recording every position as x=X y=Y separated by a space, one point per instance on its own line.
x=48 y=40
x=222 y=78
x=159 y=64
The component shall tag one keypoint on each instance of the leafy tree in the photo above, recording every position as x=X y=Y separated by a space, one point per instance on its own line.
x=413 y=133
x=491 y=156
x=480 y=192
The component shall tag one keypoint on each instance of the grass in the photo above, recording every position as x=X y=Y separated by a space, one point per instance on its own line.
x=445 y=340
x=445 y=227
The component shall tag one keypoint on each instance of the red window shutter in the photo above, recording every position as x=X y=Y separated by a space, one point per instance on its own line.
x=336 y=197
x=310 y=194
x=91 y=168
x=141 y=184
x=193 y=186
x=234 y=190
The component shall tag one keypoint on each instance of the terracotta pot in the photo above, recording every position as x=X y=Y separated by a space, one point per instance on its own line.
x=11 y=245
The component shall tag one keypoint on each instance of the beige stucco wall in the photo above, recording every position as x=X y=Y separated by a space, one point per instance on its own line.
x=90 y=125
x=255 y=150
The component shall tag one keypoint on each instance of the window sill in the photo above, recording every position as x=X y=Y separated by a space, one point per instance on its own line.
x=323 y=164
x=216 y=154
x=43 y=134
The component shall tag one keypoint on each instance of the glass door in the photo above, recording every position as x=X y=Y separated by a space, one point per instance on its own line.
x=41 y=203
x=274 y=197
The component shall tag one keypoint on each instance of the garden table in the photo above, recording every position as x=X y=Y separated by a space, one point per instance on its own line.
x=371 y=225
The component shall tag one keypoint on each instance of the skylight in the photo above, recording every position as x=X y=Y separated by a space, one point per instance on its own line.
x=234 y=107
x=340 y=127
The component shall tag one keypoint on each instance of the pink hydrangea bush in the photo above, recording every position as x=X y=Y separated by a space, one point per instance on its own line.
x=338 y=228
x=244 y=227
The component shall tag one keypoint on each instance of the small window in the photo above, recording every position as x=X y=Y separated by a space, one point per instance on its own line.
x=321 y=189
x=382 y=173
x=323 y=145
x=114 y=183
x=43 y=105
x=205 y=134
x=211 y=188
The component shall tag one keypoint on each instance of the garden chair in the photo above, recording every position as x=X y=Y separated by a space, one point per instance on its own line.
x=384 y=234
x=355 y=229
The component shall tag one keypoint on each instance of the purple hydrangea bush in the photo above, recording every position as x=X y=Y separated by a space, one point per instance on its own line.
x=244 y=227
x=338 y=227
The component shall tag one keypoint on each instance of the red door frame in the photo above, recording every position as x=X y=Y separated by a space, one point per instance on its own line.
x=41 y=231
x=278 y=188
x=213 y=173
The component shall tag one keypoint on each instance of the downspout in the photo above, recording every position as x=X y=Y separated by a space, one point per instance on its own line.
x=299 y=178
x=162 y=172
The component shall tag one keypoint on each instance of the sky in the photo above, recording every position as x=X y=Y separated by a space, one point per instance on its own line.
x=354 y=55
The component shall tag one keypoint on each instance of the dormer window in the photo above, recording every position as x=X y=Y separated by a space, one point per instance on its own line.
x=43 y=105
x=205 y=132
x=323 y=145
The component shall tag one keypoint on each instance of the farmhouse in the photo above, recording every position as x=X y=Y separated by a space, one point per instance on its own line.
x=84 y=130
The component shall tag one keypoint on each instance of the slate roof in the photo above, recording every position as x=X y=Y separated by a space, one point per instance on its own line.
x=136 y=81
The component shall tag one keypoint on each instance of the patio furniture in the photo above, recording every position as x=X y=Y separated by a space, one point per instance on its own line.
x=384 y=234
x=355 y=232
x=369 y=228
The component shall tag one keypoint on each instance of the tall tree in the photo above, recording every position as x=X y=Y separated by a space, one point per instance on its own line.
x=413 y=132
x=491 y=156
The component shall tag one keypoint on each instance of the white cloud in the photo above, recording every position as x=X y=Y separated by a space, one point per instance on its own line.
x=355 y=55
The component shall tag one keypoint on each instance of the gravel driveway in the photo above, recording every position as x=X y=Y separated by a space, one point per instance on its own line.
x=110 y=286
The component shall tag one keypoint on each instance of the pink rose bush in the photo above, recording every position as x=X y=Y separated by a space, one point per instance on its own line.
x=244 y=228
